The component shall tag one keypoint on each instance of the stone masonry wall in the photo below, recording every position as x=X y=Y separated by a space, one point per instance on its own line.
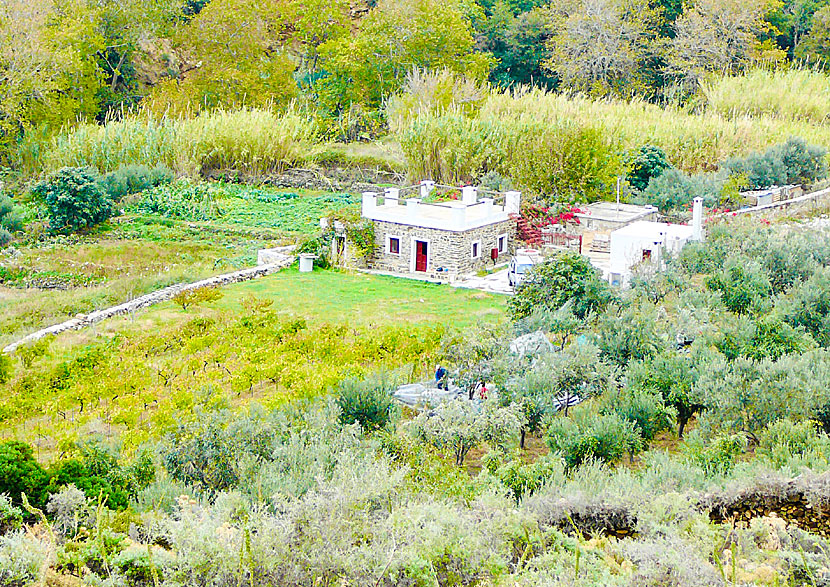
x=451 y=251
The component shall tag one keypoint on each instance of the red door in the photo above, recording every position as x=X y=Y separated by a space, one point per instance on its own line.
x=420 y=256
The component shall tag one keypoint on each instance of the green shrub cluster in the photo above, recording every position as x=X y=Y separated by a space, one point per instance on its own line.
x=134 y=178
x=368 y=402
x=74 y=199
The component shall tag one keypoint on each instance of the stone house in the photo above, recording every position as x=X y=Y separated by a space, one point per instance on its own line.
x=440 y=240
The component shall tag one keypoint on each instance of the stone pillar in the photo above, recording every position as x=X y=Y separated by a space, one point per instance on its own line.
x=426 y=187
x=469 y=195
x=512 y=202
x=370 y=202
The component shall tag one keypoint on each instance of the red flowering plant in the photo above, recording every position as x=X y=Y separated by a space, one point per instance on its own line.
x=538 y=215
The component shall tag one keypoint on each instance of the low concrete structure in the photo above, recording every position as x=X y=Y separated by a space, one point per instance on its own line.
x=609 y=216
x=440 y=240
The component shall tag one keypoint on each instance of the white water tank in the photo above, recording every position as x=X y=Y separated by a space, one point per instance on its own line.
x=307 y=262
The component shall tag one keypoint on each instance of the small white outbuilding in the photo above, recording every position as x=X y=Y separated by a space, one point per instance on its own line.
x=650 y=242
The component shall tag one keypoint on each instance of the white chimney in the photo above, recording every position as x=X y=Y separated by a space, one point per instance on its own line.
x=512 y=202
x=469 y=195
x=426 y=187
x=370 y=201
x=697 y=220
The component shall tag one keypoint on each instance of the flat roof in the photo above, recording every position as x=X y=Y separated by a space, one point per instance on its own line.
x=613 y=212
x=654 y=230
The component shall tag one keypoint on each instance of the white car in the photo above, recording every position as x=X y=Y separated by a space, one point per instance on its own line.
x=521 y=264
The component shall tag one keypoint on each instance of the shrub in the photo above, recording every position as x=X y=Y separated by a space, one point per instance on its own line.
x=74 y=199
x=196 y=296
x=368 y=402
x=603 y=437
x=743 y=285
x=716 y=456
x=646 y=410
x=522 y=479
x=6 y=367
x=551 y=284
x=10 y=219
x=181 y=200
x=21 y=473
x=807 y=306
x=11 y=517
x=791 y=162
x=645 y=164
x=22 y=559
x=134 y=178
x=70 y=510
x=782 y=440
x=673 y=190
x=5 y=237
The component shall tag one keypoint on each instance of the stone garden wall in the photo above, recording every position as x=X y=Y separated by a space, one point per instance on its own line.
x=276 y=261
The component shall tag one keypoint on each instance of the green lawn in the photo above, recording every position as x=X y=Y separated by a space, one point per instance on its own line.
x=340 y=296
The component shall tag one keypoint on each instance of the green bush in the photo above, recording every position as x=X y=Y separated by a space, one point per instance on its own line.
x=131 y=179
x=6 y=367
x=646 y=410
x=716 y=456
x=74 y=199
x=673 y=191
x=784 y=439
x=5 y=237
x=565 y=277
x=743 y=285
x=368 y=402
x=522 y=479
x=10 y=219
x=21 y=473
x=585 y=435
x=646 y=163
x=627 y=337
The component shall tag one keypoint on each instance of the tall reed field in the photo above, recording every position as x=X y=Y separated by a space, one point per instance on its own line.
x=253 y=142
x=789 y=94
x=502 y=135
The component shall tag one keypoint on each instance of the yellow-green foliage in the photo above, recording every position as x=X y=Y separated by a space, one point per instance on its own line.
x=251 y=141
x=137 y=381
x=794 y=94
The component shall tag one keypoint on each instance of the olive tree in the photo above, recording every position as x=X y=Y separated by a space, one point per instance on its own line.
x=458 y=426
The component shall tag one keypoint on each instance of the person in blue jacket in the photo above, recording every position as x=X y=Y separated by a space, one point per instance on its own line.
x=441 y=378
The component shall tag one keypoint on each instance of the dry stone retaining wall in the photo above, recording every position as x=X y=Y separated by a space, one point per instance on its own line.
x=806 y=204
x=276 y=262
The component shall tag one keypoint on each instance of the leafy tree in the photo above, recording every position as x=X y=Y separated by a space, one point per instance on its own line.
x=766 y=337
x=21 y=473
x=561 y=323
x=522 y=479
x=519 y=43
x=671 y=375
x=603 y=437
x=743 y=285
x=242 y=63
x=459 y=426
x=551 y=284
x=396 y=37
x=745 y=395
x=478 y=354
x=74 y=199
x=629 y=336
x=814 y=47
x=601 y=46
x=567 y=162
x=576 y=371
x=715 y=36
x=792 y=162
x=649 y=161
x=368 y=402
x=673 y=190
